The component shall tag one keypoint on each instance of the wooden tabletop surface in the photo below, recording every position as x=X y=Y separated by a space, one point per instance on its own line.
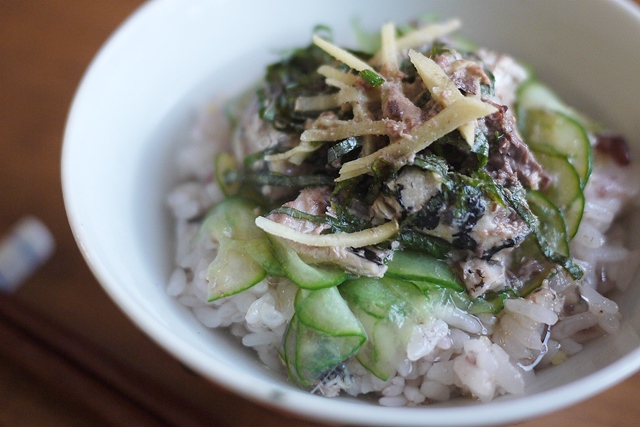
x=45 y=46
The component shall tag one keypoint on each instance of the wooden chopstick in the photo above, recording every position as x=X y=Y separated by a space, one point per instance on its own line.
x=116 y=393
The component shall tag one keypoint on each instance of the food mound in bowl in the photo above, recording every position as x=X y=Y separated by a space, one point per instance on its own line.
x=417 y=223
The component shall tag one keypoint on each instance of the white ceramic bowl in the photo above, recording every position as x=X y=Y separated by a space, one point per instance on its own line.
x=173 y=56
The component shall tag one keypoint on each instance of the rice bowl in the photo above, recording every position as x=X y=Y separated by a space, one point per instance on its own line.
x=147 y=304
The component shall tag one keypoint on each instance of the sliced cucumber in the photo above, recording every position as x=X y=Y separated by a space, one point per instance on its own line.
x=305 y=275
x=388 y=309
x=244 y=253
x=380 y=297
x=321 y=335
x=552 y=226
x=232 y=272
x=534 y=95
x=573 y=216
x=326 y=311
x=491 y=302
x=540 y=268
x=553 y=132
x=233 y=218
x=385 y=346
x=532 y=209
x=565 y=191
x=262 y=252
x=224 y=164
x=290 y=355
x=419 y=267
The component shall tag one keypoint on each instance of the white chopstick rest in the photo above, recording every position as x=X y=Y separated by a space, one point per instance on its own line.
x=27 y=246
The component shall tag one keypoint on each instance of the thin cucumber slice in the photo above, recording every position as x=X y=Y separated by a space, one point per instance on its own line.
x=565 y=182
x=224 y=164
x=244 y=253
x=420 y=267
x=521 y=203
x=379 y=297
x=321 y=335
x=552 y=132
x=261 y=251
x=552 y=226
x=289 y=355
x=232 y=272
x=534 y=95
x=385 y=347
x=305 y=275
x=527 y=252
x=326 y=311
x=388 y=309
x=565 y=191
x=233 y=218
x=573 y=216
x=491 y=302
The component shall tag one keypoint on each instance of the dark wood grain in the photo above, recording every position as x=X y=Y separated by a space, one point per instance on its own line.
x=45 y=47
x=82 y=372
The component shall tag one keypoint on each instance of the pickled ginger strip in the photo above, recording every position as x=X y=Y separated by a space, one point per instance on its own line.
x=358 y=239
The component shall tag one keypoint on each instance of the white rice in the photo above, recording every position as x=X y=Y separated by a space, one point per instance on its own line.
x=455 y=354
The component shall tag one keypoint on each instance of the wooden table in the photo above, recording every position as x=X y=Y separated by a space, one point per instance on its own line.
x=45 y=46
